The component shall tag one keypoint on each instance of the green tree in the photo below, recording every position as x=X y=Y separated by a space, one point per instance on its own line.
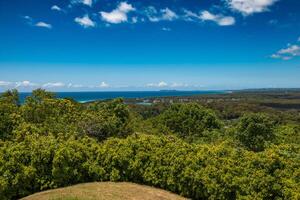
x=9 y=112
x=255 y=131
x=106 y=119
x=189 y=120
x=10 y=96
x=41 y=94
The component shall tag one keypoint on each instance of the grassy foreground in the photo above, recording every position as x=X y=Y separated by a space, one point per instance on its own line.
x=105 y=191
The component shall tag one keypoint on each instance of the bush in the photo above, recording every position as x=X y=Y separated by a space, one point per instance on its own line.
x=189 y=120
x=103 y=120
x=255 y=131
x=9 y=113
x=195 y=171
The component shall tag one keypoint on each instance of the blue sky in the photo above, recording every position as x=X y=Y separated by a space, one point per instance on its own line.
x=97 y=45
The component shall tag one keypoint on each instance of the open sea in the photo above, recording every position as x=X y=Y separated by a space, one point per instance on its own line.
x=92 y=96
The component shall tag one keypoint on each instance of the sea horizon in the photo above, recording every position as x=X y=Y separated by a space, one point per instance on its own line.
x=88 y=96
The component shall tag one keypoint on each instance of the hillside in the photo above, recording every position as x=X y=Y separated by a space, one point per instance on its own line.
x=105 y=191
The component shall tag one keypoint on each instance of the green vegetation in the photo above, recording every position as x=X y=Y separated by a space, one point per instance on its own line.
x=255 y=131
x=190 y=149
x=188 y=120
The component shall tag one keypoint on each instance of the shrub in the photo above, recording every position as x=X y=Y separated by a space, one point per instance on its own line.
x=196 y=171
x=189 y=120
x=255 y=131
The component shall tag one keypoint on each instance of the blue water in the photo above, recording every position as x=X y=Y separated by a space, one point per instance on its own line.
x=92 y=96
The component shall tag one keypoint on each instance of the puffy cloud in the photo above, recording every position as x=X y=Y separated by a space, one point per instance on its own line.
x=160 y=84
x=85 y=2
x=43 y=25
x=125 y=7
x=56 y=8
x=293 y=50
x=219 y=19
x=287 y=53
x=207 y=16
x=53 y=85
x=103 y=85
x=25 y=84
x=85 y=21
x=31 y=22
x=248 y=7
x=118 y=15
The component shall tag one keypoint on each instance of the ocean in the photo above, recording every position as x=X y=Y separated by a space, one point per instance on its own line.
x=92 y=96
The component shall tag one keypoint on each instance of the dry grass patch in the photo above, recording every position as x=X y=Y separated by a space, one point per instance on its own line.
x=105 y=191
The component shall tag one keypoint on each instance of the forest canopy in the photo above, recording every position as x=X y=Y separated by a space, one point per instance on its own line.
x=187 y=148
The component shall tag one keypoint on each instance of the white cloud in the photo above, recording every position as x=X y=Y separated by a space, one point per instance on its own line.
x=118 y=15
x=189 y=15
x=248 y=7
x=168 y=14
x=85 y=2
x=160 y=84
x=219 y=19
x=103 y=85
x=53 y=85
x=179 y=85
x=56 y=8
x=293 y=50
x=287 y=53
x=31 y=22
x=25 y=84
x=207 y=16
x=164 y=14
x=166 y=29
x=43 y=25
x=85 y=21
x=27 y=17
x=71 y=85
x=134 y=20
x=125 y=7
x=151 y=14
x=163 y=84
x=5 y=83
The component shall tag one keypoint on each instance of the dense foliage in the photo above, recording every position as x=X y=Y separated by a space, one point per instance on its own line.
x=49 y=143
x=189 y=120
x=255 y=131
